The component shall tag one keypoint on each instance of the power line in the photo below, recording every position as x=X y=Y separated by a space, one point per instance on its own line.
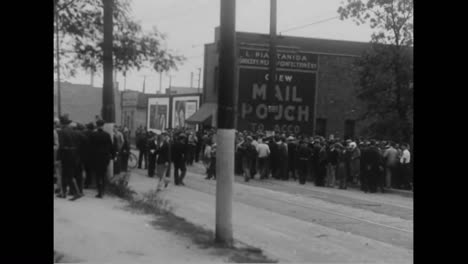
x=314 y=23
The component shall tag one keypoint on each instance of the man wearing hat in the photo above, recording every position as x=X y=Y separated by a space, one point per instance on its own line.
x=102 y=151
x=292 y=146
x=247 y=153
x=162 y=160
x=152 y=147
x=390 y=156
x=303 y=158
x=373 y=164
x=87 y=156
x=364 y=166
x=179 y=152
x=68 y=156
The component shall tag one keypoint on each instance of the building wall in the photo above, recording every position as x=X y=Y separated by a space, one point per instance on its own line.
x=336 y=96
x=336 y=82
x=83 y=102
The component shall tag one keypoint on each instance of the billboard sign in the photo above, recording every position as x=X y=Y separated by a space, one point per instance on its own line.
x=158 y=114
x=182 y=108
x=289 y=107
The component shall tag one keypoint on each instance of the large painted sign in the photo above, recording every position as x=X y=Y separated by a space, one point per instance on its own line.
x=289 y=106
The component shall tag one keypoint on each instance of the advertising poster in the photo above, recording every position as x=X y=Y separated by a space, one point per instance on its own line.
x=183 y=108
x=158 y=112
x=289 y=107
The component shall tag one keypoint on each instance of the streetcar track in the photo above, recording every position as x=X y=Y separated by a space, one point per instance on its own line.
x=213 y=190
x=323 y=195
x=321 y=210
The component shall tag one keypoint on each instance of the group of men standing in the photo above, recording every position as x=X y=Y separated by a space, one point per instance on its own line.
x=157 y=152
x=371 y=164
x=82 y=154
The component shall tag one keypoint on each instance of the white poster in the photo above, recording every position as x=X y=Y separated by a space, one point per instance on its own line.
x=182 y=108
x=158 y=113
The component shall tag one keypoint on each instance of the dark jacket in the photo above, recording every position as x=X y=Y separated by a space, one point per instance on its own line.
x=333 y=156
x=247 y=151
x=163 y=153
x=179 y=151
x=304 y=153
x=68 y=146
x=101 y=148
x=82 y=144
x=292 y=152
x=374 y=158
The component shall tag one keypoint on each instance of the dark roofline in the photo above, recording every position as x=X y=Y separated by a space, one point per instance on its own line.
x=313 y=45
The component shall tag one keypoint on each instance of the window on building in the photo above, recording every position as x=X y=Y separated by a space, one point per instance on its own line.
x=350 y=126
x=216 y=79
x=321 y=127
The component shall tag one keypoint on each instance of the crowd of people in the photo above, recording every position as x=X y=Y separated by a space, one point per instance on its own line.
x=82 y=154
x=371 y=164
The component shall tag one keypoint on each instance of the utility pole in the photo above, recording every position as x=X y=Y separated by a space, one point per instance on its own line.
x=170 y=81
x=144 y=83
x=191 y=80
x=226 y=123
x=199 y=78
x=125 y=80
x=160 y=83
x=108 y=107
x=272 y=55
x=59 y=92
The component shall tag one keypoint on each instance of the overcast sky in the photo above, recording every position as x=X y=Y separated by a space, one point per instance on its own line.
x=189 y=24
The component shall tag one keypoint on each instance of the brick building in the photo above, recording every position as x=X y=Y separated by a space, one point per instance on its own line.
x=336 y=108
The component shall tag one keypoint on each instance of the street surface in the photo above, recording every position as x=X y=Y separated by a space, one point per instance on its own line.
x=294 y=223
x=102 y=231
x=288 y=221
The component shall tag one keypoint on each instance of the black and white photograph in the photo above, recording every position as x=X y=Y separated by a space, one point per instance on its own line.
x=233 y=131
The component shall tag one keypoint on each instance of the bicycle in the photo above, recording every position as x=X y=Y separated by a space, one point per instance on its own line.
x=132 y=161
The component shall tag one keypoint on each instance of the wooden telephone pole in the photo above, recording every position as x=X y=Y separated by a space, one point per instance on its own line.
x=226 y=123
x=108 y=107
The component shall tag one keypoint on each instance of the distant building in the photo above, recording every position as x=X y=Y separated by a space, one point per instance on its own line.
x=82 y=102
x=137 y=108
x=316 y=87
x=182 y=90
x=133 y=108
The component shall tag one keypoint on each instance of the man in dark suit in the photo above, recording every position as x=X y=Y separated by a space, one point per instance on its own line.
x=141 y=144
x=151 y=147
x=179 y=150
x=374 y=163
x=102 y=151
x=162 y=160
x=292 y=157
x=68 y=156
x=87 y=156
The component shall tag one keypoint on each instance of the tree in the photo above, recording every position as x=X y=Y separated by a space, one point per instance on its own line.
x=81 y=29
x=385 y=70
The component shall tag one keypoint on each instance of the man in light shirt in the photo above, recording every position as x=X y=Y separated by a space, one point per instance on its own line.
x=263 y=153
x=405 y=165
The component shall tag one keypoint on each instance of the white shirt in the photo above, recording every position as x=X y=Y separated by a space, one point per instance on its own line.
x=405 y=157
x=263 y=150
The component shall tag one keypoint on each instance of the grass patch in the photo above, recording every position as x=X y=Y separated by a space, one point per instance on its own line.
x=151 y=203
